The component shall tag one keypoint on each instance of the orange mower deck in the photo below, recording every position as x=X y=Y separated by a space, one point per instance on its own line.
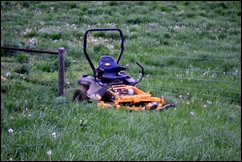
x=136 y=101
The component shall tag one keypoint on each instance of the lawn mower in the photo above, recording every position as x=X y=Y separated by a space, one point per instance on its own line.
x=111 y=87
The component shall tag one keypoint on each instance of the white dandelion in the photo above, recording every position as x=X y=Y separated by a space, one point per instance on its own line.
x=49 y=152
x=10 y=130
x=209 y=102
x=54 y=135
x=7 y=74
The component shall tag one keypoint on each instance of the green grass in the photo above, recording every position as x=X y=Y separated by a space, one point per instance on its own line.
x=190 y=52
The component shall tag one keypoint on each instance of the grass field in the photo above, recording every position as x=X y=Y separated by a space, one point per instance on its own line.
x=191 y=54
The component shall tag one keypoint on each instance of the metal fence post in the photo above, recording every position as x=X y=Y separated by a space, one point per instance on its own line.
x=61 y=71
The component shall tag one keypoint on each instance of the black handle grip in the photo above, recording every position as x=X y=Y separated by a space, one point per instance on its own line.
x=142 y=73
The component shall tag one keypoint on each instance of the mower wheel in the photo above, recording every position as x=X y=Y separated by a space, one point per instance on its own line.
x=80 y=95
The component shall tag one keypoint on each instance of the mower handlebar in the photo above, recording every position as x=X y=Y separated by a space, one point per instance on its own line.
x=103 y=29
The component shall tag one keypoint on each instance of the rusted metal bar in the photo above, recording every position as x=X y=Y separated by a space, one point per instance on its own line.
x=29 y=50
x=61 y=71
